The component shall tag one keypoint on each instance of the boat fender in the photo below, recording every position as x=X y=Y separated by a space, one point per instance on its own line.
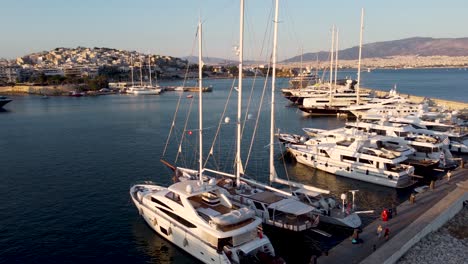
x=169 y=231
x=348 y=169
x=155 y=221
x=185 y=242
x=367 y=172
x=326 y=164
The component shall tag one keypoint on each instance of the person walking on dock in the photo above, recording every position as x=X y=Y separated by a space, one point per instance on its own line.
x=412 y=198
x=379 y=231
x=387 y=233
x=449 y=175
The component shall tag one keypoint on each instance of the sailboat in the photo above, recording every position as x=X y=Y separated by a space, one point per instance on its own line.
x=289 y=211
x=198 y=217
x=144 y=89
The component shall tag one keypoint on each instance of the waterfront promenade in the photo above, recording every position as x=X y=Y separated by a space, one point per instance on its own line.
x=413 y=221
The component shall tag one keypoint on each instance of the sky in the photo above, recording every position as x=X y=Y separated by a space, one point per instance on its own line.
x=168 y=27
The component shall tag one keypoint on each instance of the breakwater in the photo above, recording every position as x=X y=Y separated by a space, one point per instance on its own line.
x=42 y=90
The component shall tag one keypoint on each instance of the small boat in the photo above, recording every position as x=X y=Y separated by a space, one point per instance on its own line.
x=77 y=94
x=190 y=96
x=4 y=100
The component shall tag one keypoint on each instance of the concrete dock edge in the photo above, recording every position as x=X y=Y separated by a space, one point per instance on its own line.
x=430 y=221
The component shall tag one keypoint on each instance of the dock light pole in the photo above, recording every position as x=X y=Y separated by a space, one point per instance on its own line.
x=343 y=199
x=354 y=193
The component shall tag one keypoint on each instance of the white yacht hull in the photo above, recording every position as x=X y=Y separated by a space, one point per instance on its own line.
x=148 y=92
x=179 y=236
x=357 y=173
x=191 y=239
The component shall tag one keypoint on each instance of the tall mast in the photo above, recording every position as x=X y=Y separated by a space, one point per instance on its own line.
x=359 y=60
x=131 y=62
x=200 y=103
x=273 y=84
x=141 y=71
x=301 y=79
x=331 y=60
x=239 y=94
x=149 y=69
x=336 y=56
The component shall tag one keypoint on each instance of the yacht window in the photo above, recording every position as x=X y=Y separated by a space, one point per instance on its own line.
x=154 y=200
x=365 y=161
x=402 y=134
x=325 y=153
x=174 y=197
x=348 y=158
x=178 y=219
x=258 y=205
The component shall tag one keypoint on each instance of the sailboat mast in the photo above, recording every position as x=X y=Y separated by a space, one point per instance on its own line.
x=239 y=94
x=331 y=60
x=336 y=56
x=200 y=103
x=131 y=67
x=359 y=60
x=141 y=71
x=149 y=69
x=273 y=84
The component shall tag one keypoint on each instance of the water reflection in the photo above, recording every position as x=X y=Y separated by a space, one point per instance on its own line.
x=157 y=248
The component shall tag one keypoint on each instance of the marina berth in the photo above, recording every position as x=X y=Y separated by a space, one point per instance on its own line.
x=200 y=219
x=355 y=156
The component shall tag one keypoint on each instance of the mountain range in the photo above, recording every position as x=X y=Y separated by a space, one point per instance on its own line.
x=416 y=46
x=404 y=47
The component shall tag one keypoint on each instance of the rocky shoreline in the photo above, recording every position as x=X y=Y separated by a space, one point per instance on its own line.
x=447 y=245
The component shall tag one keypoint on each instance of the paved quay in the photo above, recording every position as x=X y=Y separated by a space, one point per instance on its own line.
x=430 y=211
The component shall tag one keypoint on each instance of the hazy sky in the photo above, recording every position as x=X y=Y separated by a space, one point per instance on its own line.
x=168 y=26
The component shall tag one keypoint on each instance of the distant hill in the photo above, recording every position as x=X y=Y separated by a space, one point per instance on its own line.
x=217 y=61
x=403 y=47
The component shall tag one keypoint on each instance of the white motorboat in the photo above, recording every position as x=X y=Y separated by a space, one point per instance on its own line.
x=356 y=156
x=200 y=219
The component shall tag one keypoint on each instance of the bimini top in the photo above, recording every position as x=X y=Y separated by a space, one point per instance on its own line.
x=291 y=206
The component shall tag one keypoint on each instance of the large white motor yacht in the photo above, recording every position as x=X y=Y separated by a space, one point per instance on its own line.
x=200 y=219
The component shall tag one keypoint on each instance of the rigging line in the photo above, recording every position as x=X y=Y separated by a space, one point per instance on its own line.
x=178 y=105
x=292 y=28
x=221 y=120
x=257 y=119
x=267 y=30
x=284 y=166
x=185 y=128
x=265 y=38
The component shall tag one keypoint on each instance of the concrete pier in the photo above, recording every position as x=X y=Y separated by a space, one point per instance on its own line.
x=429 y=212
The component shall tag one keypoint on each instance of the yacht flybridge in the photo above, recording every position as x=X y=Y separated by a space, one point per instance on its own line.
x=199 y=218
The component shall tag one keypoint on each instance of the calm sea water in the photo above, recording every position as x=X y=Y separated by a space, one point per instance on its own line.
x=66 y=166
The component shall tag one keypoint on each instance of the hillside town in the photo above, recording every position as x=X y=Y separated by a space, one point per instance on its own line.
x=98 y=66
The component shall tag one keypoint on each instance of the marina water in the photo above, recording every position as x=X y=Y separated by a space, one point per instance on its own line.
x=67 y=164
